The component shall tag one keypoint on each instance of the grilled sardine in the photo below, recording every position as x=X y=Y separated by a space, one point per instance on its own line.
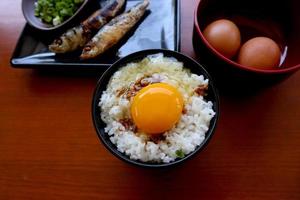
x=112 y=32
x=78 y=36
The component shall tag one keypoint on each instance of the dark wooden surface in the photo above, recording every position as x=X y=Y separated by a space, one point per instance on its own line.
x=49 y=149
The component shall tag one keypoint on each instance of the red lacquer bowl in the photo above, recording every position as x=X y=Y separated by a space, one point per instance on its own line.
x=276 y=20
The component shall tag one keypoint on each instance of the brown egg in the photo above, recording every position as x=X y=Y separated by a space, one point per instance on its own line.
x=260 y=52
x=224 y=36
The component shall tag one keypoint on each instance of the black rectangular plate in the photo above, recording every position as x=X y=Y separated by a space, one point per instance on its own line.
x=159 y=29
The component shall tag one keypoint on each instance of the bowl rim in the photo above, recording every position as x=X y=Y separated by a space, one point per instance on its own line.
x=137 y=56
x=229 y=61
x=29 y=21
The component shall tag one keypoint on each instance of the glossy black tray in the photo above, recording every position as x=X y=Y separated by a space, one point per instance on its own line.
x=159 y=29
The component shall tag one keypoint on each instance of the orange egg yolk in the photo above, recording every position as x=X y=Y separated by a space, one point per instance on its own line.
x=157 y=108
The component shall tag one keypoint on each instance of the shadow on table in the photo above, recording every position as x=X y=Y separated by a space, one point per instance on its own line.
x=62 y=82
x=58 y=73
x=179 y=182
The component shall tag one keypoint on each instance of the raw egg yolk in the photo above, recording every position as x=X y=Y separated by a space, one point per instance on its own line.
x=260 y=52
x=224 y=36
x=157 y=108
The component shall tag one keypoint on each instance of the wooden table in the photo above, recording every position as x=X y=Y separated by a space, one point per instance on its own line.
x=49 y=148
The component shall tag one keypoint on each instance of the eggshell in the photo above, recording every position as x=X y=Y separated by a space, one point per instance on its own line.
x=260 y=52
x=224 y=36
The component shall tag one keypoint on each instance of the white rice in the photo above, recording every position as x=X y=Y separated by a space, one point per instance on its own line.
x=183 y=138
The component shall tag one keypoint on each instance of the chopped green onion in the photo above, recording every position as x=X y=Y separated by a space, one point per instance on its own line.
x=179 y=153
x=56 y=11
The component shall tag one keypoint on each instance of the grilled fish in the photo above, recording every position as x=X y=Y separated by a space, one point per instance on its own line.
x=78 y=36
x=112 y=32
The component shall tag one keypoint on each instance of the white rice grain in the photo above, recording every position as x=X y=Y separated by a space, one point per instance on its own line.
x=184 y=137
